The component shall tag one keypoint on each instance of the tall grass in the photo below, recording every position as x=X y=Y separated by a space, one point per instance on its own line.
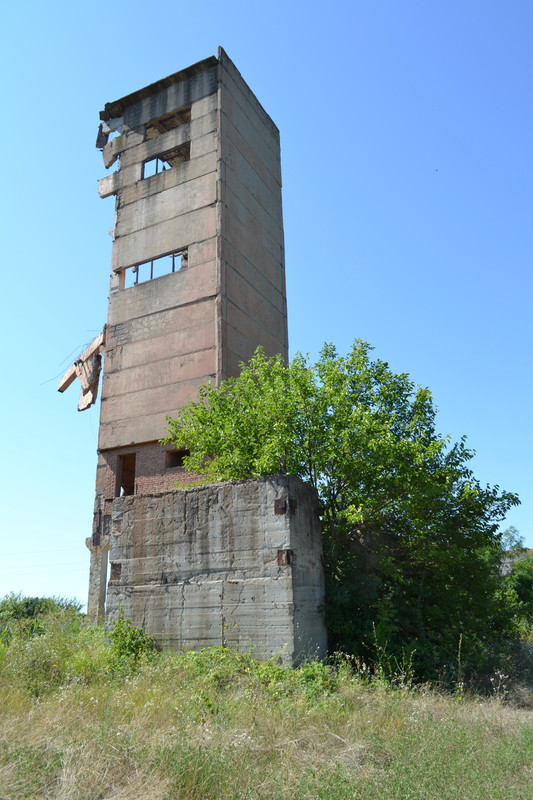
x=84 y=720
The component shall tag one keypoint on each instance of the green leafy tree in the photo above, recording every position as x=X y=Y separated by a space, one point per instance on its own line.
x=512 y=543
x=517 y=584
x=411 y=538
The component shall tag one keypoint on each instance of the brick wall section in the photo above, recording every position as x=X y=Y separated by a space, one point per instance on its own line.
x=151 y=473
x=151 y=476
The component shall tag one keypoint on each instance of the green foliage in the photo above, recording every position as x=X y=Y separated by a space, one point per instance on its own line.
x=181 y=724
x=515 y=592
x=130 y=646
x=221 y=668
x=39 y=653
x=512 y=543
x=45 y=644
x=517 y=589
x=28 y=615
x=15 y=606
x=411 y=543
x=524 y=567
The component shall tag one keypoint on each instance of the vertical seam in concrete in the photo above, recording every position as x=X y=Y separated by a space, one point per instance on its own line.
x=222 y=615
x=219 y=264
x=290 y=583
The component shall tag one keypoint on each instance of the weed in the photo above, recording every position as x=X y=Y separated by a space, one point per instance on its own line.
x=85 y=719
x=499 y=685
x=130 y=646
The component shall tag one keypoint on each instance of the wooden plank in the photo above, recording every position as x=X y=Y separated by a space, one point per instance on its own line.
x=68 y=378
x=70 y=375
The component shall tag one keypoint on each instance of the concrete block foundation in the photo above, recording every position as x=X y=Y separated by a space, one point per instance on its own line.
x=236 y=564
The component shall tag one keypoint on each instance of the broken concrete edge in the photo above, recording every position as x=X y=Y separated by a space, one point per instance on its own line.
x=116 y=108
x=112 y=115
x=281 y=478
x=96 y=346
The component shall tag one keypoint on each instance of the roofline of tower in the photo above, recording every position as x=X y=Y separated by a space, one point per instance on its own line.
x=116 y=107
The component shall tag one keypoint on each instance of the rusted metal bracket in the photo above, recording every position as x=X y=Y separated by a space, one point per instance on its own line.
x=286 y=558
x=281 y=506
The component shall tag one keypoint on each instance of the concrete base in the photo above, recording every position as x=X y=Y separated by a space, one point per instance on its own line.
x=237 y=564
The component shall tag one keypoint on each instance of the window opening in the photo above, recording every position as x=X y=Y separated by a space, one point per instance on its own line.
x=155 y=268
x=174 y=458
x=125 y=484
x=164 y=161
x=168 y=122
x=153 y=167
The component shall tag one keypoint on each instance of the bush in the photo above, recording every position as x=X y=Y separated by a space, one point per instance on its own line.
x=412 y=552
x=27 y=616
x=130 y=646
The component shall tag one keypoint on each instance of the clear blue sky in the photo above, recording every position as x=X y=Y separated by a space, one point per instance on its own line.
x=406 y=131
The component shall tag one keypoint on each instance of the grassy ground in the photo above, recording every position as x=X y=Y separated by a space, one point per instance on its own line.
x=82 y=721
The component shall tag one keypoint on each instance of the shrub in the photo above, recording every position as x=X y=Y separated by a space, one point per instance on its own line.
x=27 y=616
x=130 y=646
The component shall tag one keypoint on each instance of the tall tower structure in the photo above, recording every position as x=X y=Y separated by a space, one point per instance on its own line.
x=197 y=274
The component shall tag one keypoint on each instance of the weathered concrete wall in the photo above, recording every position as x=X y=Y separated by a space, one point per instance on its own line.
x=161 y=335
x=238 y=564
x=167 y=336
x=218 y=201
x=254 y=310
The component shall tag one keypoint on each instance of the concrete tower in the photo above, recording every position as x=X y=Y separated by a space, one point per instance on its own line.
x=197 y=276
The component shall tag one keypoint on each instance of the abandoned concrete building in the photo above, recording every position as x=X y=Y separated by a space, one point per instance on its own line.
x=197 y=283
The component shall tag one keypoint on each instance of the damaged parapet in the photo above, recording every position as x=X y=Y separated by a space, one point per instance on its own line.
x=237 y=564
x=87 y=368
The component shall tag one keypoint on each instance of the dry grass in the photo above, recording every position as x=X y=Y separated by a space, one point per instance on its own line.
x=217 y=725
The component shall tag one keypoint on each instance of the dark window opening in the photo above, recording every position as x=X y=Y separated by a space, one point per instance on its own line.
x=167 y=122
x=125 y=484
x=166 y=161
x=155 y=268
x=115 y=572
x=174 y=458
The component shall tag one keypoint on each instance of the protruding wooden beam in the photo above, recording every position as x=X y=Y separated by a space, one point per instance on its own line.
x=70 y=375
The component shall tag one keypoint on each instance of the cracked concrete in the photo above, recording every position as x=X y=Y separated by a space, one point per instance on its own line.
x=224 y=583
